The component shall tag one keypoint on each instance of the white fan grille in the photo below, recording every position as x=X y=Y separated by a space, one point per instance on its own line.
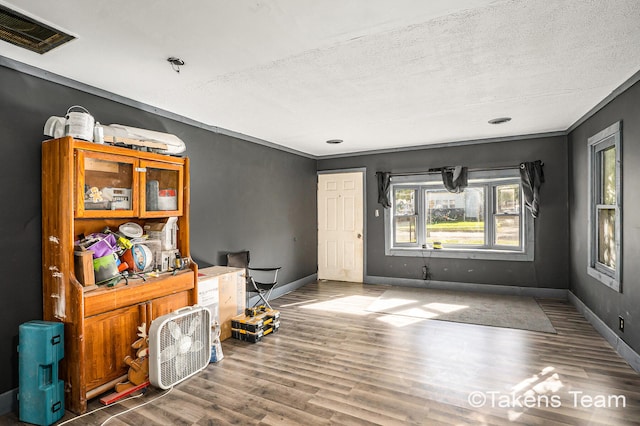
x=182 y=346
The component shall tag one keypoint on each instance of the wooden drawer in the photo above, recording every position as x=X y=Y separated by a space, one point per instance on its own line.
x=107 y=299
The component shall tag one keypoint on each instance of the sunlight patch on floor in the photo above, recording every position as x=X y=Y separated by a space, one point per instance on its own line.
x=399 y=315
x=355 y=305
x=541 y=388
x=386 y=304
x=398 y=321
x=445 y=308
x=396 y=311
x=417 y=313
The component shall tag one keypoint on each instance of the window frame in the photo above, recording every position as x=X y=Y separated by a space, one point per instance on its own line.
x=416 y=207
x=597 y=144
x=522 y=211
x=489 y=179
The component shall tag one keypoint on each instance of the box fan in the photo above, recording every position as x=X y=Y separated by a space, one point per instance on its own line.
x=179 y=345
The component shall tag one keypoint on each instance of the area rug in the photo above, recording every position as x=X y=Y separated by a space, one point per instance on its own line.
x=519 y=312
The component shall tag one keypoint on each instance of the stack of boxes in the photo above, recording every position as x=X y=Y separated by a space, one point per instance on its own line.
x=163 y=242
x=255 y=323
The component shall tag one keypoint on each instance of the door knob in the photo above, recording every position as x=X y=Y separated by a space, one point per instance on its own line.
x=359 y=235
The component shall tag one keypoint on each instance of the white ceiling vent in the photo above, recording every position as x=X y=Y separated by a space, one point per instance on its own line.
x=26 y=32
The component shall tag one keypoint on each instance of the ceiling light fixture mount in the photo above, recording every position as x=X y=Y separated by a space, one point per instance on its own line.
x=334 y=141
x=499 y=120
x=176 y=63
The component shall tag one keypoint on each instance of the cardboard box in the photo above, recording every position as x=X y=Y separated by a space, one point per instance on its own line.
x=208 y=296
x=166 y=231
x=231 y=294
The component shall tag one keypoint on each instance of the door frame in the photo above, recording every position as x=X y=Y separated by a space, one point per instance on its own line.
x=362 y=170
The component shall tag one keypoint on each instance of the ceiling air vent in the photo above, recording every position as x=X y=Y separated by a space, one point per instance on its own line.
x=26 y=32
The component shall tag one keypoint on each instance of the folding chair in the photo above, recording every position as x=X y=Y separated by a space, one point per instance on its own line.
x=269 y=275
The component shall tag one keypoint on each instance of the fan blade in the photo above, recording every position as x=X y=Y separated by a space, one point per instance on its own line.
x=194 y=325
x=168 y=353
x=184 y=344
x=180 y=365
x=175 y=331
x=196 y=346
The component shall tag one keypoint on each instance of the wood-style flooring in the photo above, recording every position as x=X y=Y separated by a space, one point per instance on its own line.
x=333 y=363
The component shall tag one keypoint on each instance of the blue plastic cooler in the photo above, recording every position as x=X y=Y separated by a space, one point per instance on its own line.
x=41 y=393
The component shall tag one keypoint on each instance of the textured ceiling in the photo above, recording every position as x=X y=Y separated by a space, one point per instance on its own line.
x=378 y=74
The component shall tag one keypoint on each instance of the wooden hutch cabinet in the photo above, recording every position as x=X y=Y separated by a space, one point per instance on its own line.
x=101 y=322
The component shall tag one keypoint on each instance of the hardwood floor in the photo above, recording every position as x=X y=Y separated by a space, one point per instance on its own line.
x=333 y=363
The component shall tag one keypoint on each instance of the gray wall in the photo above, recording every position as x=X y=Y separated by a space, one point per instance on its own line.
x=244 y=196
x=549 y=269
x=604 y=302
x=251 y=197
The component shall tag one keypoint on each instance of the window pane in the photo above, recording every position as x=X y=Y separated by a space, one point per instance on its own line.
x=455 y=219
x=405 y=229
x=508 y=199
x=507 y=230
x=608 y=185
x=607 y=237
x=404 y=200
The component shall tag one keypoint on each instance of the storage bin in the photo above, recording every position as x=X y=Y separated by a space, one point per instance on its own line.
x=40 y=392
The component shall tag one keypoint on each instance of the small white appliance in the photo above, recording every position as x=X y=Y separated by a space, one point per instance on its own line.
x=179 y=345
x=79 y=124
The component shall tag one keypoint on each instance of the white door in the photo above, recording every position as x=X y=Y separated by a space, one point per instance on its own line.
x=340 y=227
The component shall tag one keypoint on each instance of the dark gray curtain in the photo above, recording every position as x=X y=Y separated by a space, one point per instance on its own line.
x=532 y=176
x=454 y=179
x=384 y=181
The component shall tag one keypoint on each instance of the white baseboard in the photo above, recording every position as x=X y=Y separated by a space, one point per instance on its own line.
x=543 y=293
x=624 y=350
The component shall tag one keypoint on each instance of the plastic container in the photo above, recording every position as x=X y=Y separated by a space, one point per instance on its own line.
x=105 y=268
x=167 y=199
x=40 y=392
x=104 y=246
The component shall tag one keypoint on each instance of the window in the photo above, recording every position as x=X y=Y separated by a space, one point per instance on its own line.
x=405 y=217
x=605 y=206
x=456 y=222
x=483 y=222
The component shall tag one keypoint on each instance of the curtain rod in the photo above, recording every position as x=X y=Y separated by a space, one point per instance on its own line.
x=439 y=170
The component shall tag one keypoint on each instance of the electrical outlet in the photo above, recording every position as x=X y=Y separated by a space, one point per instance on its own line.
x=426 y=273
x=621 y=323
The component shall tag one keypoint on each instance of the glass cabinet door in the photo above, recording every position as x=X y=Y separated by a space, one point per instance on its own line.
x=106 y=185
x=161 y=187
